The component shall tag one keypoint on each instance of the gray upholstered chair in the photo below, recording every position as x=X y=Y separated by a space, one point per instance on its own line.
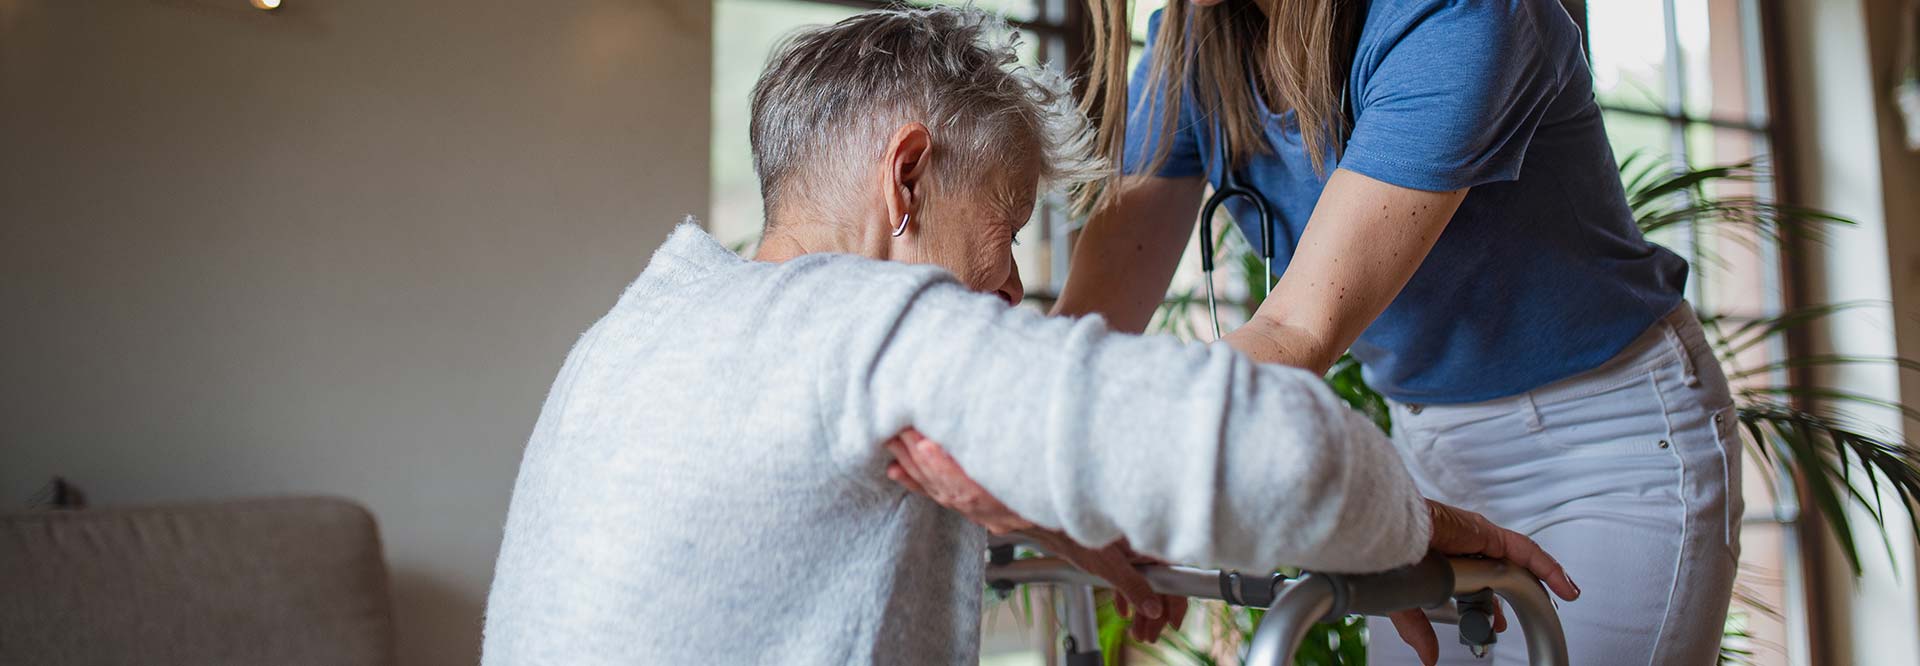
x=274 y=581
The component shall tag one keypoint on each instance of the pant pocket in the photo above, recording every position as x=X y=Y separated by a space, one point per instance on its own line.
x=1492 y=464
x=1626 y=416
x=1426 y=466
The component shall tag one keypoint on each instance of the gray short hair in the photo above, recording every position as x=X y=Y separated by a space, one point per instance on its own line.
x=832 y=95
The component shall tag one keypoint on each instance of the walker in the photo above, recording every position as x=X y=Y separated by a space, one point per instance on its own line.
x=1452 y=590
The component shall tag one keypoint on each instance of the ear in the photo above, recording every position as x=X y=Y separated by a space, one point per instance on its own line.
x=906 y=169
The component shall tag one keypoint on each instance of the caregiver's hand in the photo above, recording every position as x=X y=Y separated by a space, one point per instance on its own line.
x=1458 y=531
x=923 y=467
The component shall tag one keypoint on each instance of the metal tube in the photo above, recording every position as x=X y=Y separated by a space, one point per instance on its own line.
x=1305 y=602
x=1083 y=622
x=1177 y=581
x=1212 y=310
x=1266 y=279
x=1546 y=642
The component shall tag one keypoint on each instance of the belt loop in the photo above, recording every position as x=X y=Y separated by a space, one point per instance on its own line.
x=1533 y=413
x=1680 y=349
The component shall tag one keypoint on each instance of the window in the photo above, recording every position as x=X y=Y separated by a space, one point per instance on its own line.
x=1693 y=93
x=745 y=34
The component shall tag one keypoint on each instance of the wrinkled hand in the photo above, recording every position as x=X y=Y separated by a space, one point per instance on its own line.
x=1133 y=598
x=1458 y=531
x=925 y=468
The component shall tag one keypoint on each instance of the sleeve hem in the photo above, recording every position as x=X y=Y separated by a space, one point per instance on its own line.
x=1394 y=172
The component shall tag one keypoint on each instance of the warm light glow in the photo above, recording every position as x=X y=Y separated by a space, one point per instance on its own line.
x=265 y=4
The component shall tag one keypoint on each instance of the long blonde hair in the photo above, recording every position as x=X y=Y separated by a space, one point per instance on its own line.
x=1297 y=51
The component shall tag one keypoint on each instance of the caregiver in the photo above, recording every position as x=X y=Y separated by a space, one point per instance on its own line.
x=1449 y=211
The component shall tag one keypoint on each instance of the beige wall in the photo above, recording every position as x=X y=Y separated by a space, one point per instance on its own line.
x=340 y=248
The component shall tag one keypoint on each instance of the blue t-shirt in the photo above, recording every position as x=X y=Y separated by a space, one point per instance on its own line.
x=1542 y=274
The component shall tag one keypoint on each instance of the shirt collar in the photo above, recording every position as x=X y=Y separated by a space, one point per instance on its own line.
x=689 y=253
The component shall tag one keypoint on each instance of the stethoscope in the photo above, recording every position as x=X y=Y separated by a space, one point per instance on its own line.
x=1231 y=186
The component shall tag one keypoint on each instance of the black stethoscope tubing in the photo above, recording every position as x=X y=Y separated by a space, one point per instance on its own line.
x=1232 y=186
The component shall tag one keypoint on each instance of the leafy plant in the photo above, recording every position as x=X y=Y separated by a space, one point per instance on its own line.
x=1808 y=437
x=1735 y=642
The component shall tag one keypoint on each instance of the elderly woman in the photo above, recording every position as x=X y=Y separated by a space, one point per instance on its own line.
x=707 y=482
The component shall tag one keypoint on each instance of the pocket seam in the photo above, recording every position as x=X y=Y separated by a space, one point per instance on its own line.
x=1726 y=420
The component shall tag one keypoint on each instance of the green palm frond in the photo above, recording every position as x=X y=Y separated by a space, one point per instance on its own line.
x=1830 y=396
x=1735 y=640
x=1823 y=360
x=1821 y=454
x=1754 y=332
x=1663 y=195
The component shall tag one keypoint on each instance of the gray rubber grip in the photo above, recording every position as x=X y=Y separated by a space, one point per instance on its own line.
x=1424 y=584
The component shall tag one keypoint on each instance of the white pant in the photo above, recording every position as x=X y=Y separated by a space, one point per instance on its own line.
x=1628 y=474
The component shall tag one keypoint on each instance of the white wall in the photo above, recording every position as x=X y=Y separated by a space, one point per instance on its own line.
x=1847 y=158
x=340 y=248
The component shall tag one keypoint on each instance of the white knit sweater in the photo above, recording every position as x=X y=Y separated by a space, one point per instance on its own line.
x=706 y=482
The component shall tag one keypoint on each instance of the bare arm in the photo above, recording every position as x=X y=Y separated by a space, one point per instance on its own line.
x=1127 y=253
x=1364 y=241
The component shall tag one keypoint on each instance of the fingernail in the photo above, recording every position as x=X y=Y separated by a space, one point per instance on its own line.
x=1567 y=580
x=1152 y=608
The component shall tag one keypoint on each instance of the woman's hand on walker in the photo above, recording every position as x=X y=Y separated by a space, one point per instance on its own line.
x=1149 y=612
x=923 y=467
x=1458 y=531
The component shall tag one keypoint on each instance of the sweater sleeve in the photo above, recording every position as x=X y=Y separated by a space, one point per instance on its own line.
x=1193 y=452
